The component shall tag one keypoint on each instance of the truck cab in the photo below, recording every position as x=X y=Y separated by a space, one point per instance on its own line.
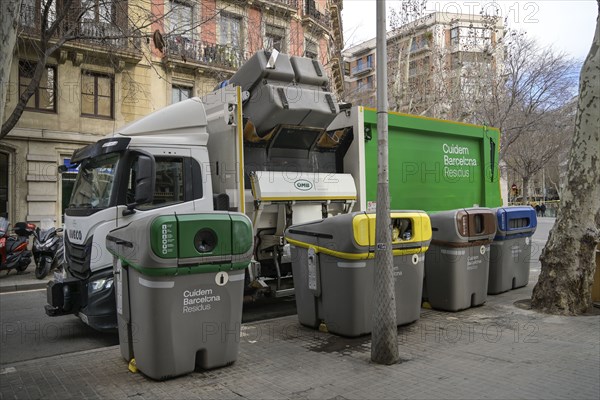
x=154 y=166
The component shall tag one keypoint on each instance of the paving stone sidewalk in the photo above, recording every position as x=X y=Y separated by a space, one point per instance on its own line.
x=496 y=351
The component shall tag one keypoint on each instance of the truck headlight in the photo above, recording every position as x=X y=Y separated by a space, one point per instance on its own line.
x=101 y=284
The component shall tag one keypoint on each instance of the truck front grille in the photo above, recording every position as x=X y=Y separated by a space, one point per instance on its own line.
x=78 y=257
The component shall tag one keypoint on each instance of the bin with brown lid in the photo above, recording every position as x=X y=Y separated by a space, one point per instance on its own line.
x=457 y=262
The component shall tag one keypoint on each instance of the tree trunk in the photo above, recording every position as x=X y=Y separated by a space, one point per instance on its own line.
x=9 y=19
x=525 y=188
x=568 y=265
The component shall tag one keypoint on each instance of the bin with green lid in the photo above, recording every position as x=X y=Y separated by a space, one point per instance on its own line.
x=179 y=290
x=333 y=261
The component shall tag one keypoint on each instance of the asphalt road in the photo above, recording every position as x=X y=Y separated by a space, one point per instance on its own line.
x=539 y=241
x=26 y=332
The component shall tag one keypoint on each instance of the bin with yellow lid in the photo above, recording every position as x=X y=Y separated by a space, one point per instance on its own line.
x=333 y=261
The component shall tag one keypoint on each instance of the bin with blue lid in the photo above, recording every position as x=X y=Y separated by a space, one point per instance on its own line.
x=179 y=290
x=333 y=262
x=511 y=248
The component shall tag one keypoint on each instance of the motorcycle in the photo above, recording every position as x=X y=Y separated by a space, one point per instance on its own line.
x=13 y=249
x=48 y=250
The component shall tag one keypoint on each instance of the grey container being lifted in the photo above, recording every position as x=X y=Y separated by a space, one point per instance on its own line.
x=179 y=290
x=291 y=89
x=457 y=262
x=511 y=248
x=332 y=265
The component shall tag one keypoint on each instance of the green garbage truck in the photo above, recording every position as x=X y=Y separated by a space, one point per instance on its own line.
x=272 y=143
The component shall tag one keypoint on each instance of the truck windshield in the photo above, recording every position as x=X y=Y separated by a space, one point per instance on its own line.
x=94 y=182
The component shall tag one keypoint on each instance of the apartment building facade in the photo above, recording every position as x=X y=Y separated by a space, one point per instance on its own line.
x=434 y=64
x=130 y=58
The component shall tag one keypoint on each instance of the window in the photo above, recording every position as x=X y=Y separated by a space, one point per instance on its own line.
x=97 y=94
x=98 y=11
x=180 y=19
x=32 y=11
x=370 y=61
x=230 y=31
x=454 y=36
x=44 y=97
x=169 y=185
x=179 y=93
x=274 y=38
x=310 y=49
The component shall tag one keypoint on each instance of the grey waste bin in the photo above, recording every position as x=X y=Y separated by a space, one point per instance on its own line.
x=457 y=262
x=179 y=290
x=511 y=249
x=332 y=265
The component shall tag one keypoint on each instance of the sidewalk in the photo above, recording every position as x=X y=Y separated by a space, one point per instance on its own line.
x=26 y=280
x=494 y=351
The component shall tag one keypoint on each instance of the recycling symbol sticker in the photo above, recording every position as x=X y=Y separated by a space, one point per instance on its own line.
x=222 y=278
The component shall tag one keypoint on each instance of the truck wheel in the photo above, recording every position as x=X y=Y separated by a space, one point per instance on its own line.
x=42 y=269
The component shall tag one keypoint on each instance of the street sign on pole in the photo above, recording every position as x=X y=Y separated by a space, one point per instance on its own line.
x=384 y=337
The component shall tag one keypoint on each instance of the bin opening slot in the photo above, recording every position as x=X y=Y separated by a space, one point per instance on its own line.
x=478 y=223
x=518 y=223
x=402 y=229
x=313 y=234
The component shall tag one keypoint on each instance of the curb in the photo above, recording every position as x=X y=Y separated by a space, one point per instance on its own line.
x=23 y=287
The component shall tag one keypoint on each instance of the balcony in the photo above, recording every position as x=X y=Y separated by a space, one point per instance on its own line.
x=109 y=36
x=181 y=48
x=288 y=6
x=362 y=69
x=312 y=16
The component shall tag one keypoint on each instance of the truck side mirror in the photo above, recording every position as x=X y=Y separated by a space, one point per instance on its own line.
x=144 y=182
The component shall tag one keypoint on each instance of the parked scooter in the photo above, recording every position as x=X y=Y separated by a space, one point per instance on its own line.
x=13 y=249
x=48 y=249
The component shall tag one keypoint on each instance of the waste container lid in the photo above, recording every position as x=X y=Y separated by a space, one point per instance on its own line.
x=352 y=236
x=195 y=243
x=515 y=221
x=463 y=225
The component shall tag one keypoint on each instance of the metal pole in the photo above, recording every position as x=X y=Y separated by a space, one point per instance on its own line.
x=384 y=338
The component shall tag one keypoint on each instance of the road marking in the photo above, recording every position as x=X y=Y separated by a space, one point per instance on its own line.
x=22 y=291
x=8 y=370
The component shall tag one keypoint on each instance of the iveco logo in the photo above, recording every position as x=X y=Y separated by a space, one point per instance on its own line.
x=74 y=234
x=303 y=184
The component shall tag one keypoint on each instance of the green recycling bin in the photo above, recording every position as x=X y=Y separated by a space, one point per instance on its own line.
x=458 y=261
x=179 y=290
x=333 y=269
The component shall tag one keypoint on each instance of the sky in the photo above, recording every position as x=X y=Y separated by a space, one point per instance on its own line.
x=567 y=25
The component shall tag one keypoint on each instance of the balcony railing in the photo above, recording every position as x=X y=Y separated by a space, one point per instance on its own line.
x=109 y=35
x=311 y=13
x=190 y=50
x=292 y=4
x=104 y=34
x=359 y=69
